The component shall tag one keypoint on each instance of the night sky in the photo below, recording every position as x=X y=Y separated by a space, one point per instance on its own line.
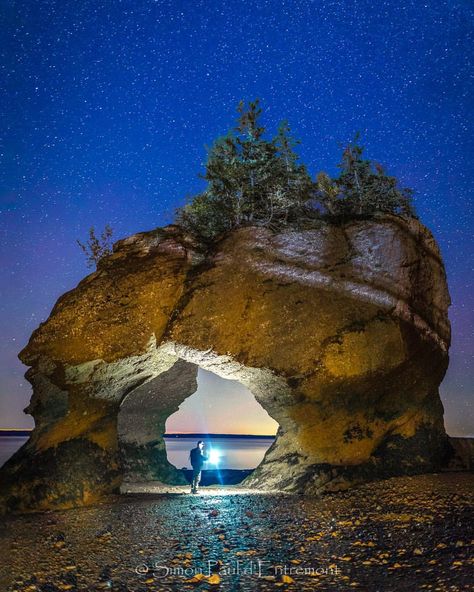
x=108 y=106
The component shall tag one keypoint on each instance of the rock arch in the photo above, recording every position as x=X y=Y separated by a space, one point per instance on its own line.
x=340 y=331
x=143 y=412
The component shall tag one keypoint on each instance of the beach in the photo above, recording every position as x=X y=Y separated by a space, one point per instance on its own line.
x=384 y=536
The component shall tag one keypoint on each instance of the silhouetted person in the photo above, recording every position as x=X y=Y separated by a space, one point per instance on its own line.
x=197 y=459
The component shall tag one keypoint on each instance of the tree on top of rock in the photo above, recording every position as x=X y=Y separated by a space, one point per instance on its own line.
x=97 y=247
x=255 y=181
x=251 y=180
x=362 y=188
x=293 y=177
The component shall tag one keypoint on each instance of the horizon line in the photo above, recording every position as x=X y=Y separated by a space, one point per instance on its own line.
x=214 y=434
x=164 y=434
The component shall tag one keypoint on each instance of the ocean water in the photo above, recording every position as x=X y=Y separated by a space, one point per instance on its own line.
x=8 y=447
x=235 y=453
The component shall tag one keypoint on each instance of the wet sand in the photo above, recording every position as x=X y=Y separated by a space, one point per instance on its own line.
x=409 y=533
x=152 y=488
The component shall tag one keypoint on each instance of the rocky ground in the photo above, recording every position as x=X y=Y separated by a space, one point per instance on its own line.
x=412 y=533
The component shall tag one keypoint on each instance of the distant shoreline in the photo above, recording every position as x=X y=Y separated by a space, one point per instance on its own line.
x=7 y=433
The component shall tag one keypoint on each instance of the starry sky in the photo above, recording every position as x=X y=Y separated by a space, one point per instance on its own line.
x=107 y=108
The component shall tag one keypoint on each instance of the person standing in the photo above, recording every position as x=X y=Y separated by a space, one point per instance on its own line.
x=197 y=459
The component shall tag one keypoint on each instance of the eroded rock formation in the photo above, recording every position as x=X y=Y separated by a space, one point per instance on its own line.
x=340 y=331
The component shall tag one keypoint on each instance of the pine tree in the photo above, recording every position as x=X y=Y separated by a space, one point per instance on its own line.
x=362 y=188
x=353 y=181
x=224 y=176
x=257 y=161
x=252 y=180
x=328 y=193
x=387 y=196
x=296 y=179
x=205 y=216
x=248 y=122
x=243 y=171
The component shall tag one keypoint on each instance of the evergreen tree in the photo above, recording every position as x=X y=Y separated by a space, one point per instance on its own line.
x=293 y=176
x=224 y=176
x=206 y=216
x=362 y=188
x=353 y=181
x=248 y=124
x=328 y=193
x=257 y=161
x=386 y=195
x=251 y=180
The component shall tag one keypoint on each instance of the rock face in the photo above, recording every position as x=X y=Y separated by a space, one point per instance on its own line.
x=340 y=331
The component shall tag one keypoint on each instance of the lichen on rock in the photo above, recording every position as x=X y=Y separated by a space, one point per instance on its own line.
x=340 y=331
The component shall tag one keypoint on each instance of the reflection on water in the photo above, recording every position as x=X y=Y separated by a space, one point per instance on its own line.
x=8 y=447
x=235 y=453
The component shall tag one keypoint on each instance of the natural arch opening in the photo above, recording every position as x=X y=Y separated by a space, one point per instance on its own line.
x=153 y=409
x=236 y=430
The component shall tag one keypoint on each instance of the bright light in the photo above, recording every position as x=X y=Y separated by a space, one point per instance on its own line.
x=214 y=456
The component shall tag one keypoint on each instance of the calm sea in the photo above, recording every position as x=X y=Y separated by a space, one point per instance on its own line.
x=235 y=453
x=8 y=447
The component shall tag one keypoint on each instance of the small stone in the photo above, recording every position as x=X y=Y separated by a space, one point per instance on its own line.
x=214 y=579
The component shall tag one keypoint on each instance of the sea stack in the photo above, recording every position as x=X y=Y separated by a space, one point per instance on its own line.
x=340 y=331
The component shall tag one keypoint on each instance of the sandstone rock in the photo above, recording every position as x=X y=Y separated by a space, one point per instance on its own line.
x=462 y=455
x=340 y=331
